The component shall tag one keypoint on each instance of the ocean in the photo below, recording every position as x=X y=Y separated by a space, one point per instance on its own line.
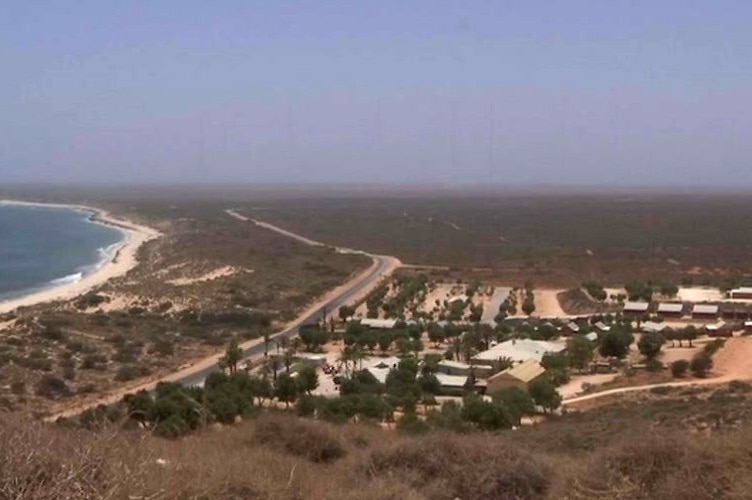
x=41 y=247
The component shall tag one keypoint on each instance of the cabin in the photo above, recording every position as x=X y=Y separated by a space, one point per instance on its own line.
x=455 y=368
x=705 y=311
x=602 y=327
x=653 y=327
x=635 y=308
x=519 y=376
x=668 y=309
x=570 y=329
x=741 y=293
x=719 y=329
x=379 y=324
x=518 y=350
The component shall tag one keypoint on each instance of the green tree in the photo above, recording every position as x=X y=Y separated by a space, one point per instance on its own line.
x=346 y=312
x=580 y=352
x=486 y=415
x=557 y=367
x=616 y=343
x=286 y=389
x=544 y=394
x=650 y=344
x=233 y=356
x=308 y=379
x=517 y=402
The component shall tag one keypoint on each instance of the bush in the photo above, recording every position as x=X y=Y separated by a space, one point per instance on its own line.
x=312 y=440
x=460 y=466
x=679 y=368
x=701 y=364
x=129 y=372
x=52 y=387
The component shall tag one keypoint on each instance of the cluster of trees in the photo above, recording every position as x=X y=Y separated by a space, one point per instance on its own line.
x=174 y=410
x=595 y=290
x=507 y=308
x=411 y=290
x=528 y=303
x=644 y=291
x=375 y=299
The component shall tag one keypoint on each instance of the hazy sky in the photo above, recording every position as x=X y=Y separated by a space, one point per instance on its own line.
x=387 y=91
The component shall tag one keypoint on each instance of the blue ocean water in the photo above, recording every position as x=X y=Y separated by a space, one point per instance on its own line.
x=41 y=247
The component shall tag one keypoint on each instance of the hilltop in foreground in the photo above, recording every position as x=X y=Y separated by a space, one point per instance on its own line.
x=689 y=444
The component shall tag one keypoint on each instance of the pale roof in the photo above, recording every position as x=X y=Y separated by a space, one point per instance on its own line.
x=715 y=327
x=602 y=326
x=667 y=307
x=592 y=336
x=454 y=364
x=379 y=373
x=705 y=309
x=650 y=326
x=521 y=350
x=451 y=380
x=742 y=289
x=391 y=361
x=636 y=306
x=524 y=372
x=378 y=323
x=573 y=326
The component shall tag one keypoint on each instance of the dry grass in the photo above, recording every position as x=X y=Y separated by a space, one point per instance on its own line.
x=279 y=456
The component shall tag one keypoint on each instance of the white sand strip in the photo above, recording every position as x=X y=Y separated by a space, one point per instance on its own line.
x=123 y=260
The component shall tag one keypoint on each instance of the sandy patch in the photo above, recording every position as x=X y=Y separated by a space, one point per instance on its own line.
x=695 y=294
x=221 y=272
x=575 y=386
x=547 y=304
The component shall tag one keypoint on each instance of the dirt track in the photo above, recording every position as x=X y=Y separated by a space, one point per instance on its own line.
x=732 y=362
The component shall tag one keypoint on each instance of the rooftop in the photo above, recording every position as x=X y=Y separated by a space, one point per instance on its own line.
x=526 y=371
x=705 y=309
x=667 y=307
x=521 y=350
x=379 y=323
x=451 y=380
x=651 y=326
x=636 y=306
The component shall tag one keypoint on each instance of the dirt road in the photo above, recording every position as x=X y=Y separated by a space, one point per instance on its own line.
x=730 y=363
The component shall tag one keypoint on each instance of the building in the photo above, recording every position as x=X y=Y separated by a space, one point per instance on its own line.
x=380 y=324
x=705 y=311
x=449 y=367
x=517 y=376
x=741 y=293
x=635 y=308
x=518 y=350
x=457 y=384
x=653 y=327
x=719 y=329
x=670 y=309
x=602 y=327
x=570 y=329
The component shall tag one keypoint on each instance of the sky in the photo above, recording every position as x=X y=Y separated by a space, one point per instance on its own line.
x=497 y=92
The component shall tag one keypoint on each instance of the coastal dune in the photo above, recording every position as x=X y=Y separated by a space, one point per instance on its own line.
x=123 y=258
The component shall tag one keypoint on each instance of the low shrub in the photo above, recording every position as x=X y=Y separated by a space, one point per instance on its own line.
x=312 y=440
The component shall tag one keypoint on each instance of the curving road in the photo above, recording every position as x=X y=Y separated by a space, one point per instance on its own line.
x=355 y=289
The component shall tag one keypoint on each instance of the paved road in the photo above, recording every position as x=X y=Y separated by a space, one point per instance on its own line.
x=195 y=374
x=363 y=285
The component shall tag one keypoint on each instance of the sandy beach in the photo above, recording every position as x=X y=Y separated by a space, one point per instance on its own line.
x=123 y=259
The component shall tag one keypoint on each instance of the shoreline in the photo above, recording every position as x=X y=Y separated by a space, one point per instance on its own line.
x=122 y=260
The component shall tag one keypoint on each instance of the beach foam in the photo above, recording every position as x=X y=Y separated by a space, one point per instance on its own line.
x=66 y=280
